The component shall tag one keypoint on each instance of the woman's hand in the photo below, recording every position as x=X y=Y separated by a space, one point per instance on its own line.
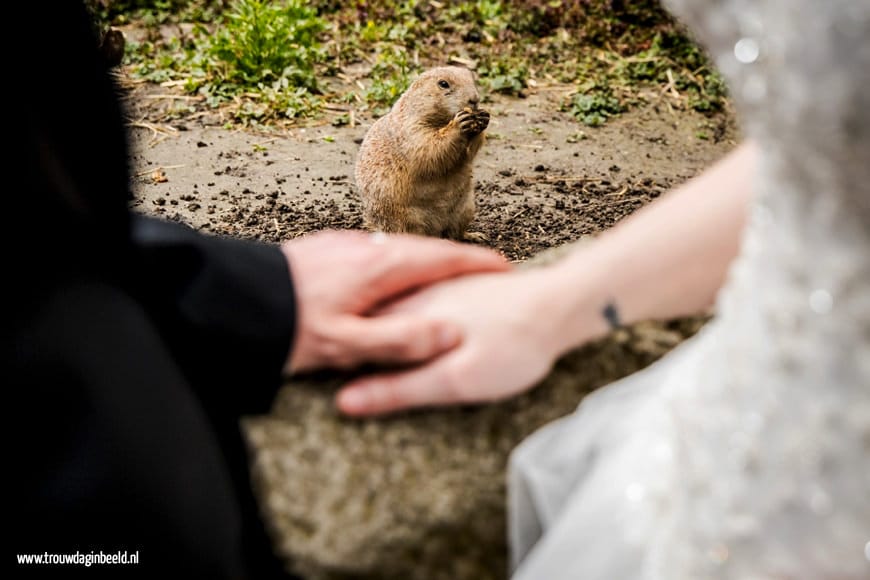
x=511 y=337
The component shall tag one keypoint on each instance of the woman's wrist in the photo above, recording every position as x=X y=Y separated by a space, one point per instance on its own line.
x=575 y=302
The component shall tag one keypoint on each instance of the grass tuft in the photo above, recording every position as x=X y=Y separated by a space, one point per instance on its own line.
x=263 y=61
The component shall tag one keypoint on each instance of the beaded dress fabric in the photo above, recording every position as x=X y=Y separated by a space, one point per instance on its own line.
x=745 y=453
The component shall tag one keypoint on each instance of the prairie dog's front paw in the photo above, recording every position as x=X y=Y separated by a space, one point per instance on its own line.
x=471 y=121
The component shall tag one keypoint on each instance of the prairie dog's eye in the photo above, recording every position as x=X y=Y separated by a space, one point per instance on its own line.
x=444 y=84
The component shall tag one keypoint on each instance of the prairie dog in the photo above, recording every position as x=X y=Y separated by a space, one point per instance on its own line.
x=413 y=170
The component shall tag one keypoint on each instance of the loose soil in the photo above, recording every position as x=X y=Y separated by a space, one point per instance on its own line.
x=542 y=179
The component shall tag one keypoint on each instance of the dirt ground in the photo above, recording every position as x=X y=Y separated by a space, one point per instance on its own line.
x=542 y=179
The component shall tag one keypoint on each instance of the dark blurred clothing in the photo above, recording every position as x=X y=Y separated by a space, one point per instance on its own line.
x=135 y=345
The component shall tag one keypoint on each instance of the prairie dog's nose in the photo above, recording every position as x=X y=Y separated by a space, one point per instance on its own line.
x=473 y=102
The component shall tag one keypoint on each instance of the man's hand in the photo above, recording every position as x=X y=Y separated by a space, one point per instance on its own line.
x=341 y=277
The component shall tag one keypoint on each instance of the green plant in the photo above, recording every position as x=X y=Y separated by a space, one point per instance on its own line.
x=262 y=56
x=392 y=75
x=153 y=12
x=595 y=107
x=709 y=94
x=672 y=59
x=262 y=60
x=262 y=41
x=487 y=15
x=504 y=76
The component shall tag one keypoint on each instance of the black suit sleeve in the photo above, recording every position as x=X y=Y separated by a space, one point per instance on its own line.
x=226 y=307
x=132 y=345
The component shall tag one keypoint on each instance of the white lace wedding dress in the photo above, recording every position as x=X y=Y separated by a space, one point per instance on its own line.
x=745 y=454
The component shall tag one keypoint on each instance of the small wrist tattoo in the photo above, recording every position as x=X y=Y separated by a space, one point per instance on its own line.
x=611 y=315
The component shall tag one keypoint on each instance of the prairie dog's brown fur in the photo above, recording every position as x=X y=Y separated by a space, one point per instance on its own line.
x=414 y=167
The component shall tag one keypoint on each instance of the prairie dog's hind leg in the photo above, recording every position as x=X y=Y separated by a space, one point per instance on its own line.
x=458 y=227
x=405 y=222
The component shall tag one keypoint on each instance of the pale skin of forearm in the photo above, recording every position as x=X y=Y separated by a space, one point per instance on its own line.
x=667 y=260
